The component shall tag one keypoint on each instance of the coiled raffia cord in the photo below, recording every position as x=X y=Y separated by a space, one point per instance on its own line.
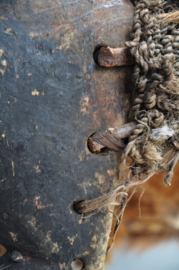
x=153 y=144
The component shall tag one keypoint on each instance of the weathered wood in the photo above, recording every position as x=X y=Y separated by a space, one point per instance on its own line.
x=124 y=131
x=109 y=57
x=53 y=97
x=111 y=138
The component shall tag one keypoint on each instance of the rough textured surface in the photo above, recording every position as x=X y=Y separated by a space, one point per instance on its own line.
x=155 y=138
x=53 y=97
x=109 y=57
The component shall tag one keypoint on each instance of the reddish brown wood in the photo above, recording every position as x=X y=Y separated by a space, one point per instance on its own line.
x=94 y=146
x=109 y=57
x=3 y=251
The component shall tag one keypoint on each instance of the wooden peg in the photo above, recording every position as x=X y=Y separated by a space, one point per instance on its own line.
x=109 y=57
x=111 y=138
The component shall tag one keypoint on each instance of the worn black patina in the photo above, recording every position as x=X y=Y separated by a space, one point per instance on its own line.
x=53 y=97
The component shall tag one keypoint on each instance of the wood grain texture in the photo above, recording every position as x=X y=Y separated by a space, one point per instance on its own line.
x=111 y=139
x=109 y=57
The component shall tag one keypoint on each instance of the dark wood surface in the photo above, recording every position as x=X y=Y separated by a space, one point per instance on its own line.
x=53 y=97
